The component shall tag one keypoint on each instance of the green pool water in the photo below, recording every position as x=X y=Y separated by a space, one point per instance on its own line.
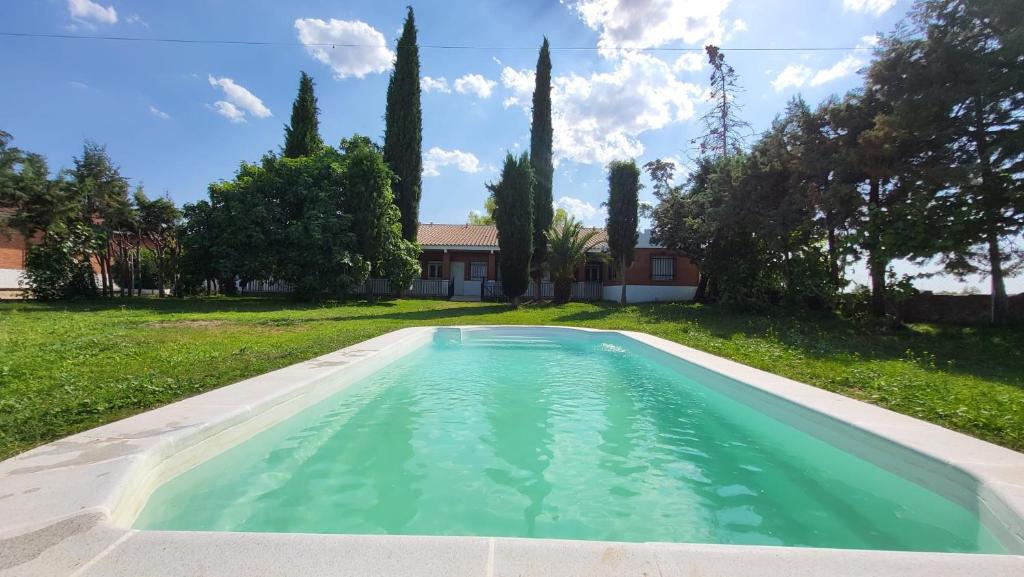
x=549 y=434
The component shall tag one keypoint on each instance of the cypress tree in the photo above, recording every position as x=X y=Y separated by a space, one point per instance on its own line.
x=513 y=216
x=623 y=205
x=541 y=137
x=302 y=136
x=403 y=126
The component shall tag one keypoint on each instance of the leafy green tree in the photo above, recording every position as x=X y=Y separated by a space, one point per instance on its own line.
x=103 y=192
x=198 y=241
x=568 y=243
x=541 y=142
x=623 y=215
x=55 y=267
x=159 y=221
x=403 y=128
x=488 y=215
x=313 y=246
x=376 y=222
x=302 y=135
x=954 y=78
x=877 y=160
x=513 y=215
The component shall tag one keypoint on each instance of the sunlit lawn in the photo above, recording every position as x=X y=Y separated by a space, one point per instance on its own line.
x=69 y=367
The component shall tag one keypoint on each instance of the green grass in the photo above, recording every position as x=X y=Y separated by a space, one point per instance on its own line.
x=69 y=367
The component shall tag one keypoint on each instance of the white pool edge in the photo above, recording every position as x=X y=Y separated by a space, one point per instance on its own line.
x=65 y=506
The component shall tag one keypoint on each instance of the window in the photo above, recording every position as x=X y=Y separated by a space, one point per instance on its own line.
x=593 y=272
x=478 y=270
x=434 y=269
x=663 y=268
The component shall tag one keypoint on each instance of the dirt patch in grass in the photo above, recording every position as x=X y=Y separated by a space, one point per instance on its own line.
x=196 y=324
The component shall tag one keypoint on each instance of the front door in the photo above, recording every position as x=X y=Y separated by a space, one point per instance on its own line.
x=459 y=277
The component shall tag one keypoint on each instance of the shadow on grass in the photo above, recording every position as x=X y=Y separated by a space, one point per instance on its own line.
x=188 y=305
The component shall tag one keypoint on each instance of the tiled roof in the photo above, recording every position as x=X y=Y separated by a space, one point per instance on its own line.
x=477 y=235
x=482 y=235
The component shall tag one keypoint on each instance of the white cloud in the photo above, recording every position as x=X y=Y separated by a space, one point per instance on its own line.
x=77 y=84
x=437 y=157
x=875 y=7
x=92 y=13
x=649 y=23
x=160 y=113
x=690 y=62
x=229 y=111
x=585 y=212
x=521 y=83
x=136 y=19
x=350 y=48
x=848 y=65
x=795 y=75
x=739 y=25
x=599 y=118
x=475 y=84
x=428 y=84
x=240 y=98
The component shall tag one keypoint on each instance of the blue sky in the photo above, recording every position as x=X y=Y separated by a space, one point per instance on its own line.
x=177 y=117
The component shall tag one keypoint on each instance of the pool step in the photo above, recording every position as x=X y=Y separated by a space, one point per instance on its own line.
x=506 y=342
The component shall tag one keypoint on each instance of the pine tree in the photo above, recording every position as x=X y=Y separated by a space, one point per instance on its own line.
x=302 y=136
x=513 y=216
x=623 y=208
x=403 y=129
x=724 y=129
x=541 y=137
x=954 y=79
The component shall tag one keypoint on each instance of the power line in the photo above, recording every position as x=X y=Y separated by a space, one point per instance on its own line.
x=427 y=46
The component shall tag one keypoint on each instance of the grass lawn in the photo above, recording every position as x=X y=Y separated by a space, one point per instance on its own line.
x=69 y=367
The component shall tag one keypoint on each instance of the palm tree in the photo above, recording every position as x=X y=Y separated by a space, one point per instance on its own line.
x=568 y=242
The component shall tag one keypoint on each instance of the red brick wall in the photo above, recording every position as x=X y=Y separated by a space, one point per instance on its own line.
x=639 y=273
x=459 y=256
x=12 y=250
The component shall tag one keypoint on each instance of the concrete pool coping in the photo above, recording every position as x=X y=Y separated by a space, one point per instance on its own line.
x=66 y=507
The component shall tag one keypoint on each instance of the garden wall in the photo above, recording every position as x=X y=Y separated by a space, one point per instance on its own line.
x=957 y=309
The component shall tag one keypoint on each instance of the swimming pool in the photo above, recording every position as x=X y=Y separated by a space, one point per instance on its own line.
x=558 y=433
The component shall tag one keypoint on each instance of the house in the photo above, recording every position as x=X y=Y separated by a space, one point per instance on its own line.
x=12 y=259
x=467 y=255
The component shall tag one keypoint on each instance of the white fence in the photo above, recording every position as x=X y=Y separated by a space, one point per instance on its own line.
x=581 y=291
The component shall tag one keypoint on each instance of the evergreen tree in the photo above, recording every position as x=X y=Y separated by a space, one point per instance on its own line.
x=541 y=138
x=623 y=214
x=302 y=136
x=513 y=216
x=403 y=127
x=724 y=130
x=954 y=78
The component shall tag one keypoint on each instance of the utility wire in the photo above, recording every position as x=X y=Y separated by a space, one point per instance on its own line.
x=428 y=46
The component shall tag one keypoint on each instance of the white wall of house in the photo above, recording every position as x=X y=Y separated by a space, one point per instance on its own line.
x=9 y=278
x=649 y=293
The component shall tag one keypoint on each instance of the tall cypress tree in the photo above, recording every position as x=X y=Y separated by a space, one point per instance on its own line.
x=541 y=137
x=623 y=206
x=513 y=216
x=302 y=136
x=403 y=127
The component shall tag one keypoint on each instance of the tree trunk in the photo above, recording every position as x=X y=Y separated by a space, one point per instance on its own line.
x=515 y=302
x=876 y=263
x=562 y=290
x=1000 y=302
x=833 y=257
x=702 y=288
x=160 y=272
x=877 y=268
x=622 y=275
